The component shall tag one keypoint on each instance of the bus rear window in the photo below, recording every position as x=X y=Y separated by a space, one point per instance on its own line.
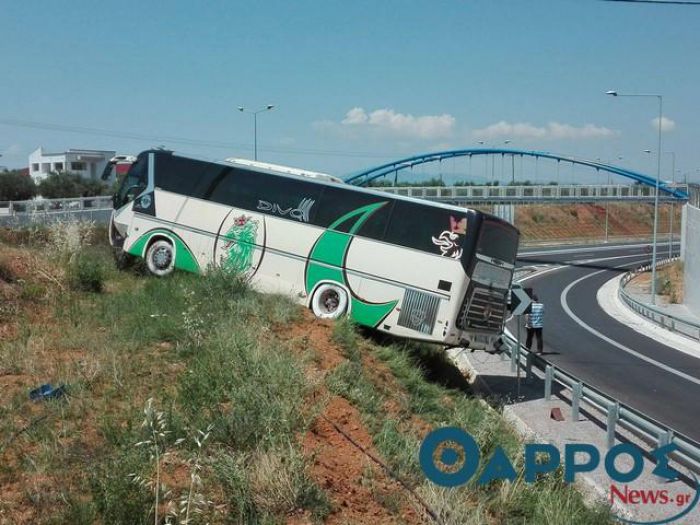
x=498 y=240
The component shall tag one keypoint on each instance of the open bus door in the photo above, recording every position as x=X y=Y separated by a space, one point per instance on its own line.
x=118 y=166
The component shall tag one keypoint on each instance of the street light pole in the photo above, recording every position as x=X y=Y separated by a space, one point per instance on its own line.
x=242 y=109
x=658 y=176
x=673 y=181
x=512 y=159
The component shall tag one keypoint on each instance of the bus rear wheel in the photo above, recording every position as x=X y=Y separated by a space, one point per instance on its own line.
x=330 y=301
x=160 y=258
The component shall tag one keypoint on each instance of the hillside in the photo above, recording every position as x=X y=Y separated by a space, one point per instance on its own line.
x=587 y=221
x=201 y=401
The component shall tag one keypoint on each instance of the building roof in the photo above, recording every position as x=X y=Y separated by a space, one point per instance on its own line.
x=41 y=151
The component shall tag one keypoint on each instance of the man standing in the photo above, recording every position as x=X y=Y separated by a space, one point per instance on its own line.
x=534 y=321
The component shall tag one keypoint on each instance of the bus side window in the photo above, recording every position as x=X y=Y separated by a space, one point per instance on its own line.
x=337 y=202
x=231 y=187
x=178 y=174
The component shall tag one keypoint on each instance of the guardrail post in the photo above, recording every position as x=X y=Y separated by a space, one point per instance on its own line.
x=548 y=377
x=576 y=394
x=613 y=415
x=513 y=357
x=528 y=367
x=665 y=438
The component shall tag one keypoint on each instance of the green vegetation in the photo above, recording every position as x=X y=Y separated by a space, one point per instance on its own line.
x=548 y=501
x=15 y=186
x=669 y=282
x=189 y=401
x=65 y=184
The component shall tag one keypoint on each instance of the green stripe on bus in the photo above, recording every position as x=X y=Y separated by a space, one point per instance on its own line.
x=331 y=249
x=184 y=259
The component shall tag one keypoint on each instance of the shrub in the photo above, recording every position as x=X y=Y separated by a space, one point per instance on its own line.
x=86 y=273
x=66 y=185
x=16 y=187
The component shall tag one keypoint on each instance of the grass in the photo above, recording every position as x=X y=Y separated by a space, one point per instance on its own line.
x=188 y=402
x=548 y=501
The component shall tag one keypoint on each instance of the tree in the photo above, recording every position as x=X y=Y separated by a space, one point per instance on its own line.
x=16 y=186
x=65 y=185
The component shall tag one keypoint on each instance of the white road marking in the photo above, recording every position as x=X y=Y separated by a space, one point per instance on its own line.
x=607 y=339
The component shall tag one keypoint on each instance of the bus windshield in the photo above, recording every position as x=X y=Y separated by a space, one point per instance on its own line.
x=498 y=240
x=133 y=183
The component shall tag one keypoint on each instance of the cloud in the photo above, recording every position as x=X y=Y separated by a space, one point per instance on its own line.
x=666 y=124
x=553 y=130
x=388 y=122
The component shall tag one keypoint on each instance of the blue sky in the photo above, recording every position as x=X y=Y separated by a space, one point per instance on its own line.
x=354 y=83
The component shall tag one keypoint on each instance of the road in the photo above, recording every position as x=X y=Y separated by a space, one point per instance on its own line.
x=583 y=340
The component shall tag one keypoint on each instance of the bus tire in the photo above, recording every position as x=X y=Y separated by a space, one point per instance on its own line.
x=330 y=301
x=160 y=258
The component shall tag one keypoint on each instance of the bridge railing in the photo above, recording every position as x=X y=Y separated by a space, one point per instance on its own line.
x=654 y=313
x=650 y=431
x=553 y=192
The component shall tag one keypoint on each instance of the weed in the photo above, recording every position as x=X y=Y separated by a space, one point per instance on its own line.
x=253 y=390
x=345 y=336
x=33 y=292
x=348 y=380
x=7 y=274
x=66 y=238
x=86 y=272
x=270 y=482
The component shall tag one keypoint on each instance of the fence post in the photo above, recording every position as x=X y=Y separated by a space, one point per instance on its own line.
x=613 y=415
x=576 y=393
x=665 y=438
x=548 y=376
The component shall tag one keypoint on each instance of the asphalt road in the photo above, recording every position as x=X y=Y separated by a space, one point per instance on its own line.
x=583 y=340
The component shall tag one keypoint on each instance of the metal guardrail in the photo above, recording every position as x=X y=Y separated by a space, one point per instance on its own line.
x=19 y=213
x=649 y=430
x=653 y=313
x=55 y=205
x=512 y=194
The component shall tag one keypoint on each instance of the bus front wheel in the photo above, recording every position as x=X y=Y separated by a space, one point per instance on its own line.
x=160 y=258
x=330 y=301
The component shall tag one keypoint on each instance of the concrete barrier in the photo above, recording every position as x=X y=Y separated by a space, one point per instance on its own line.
x=690 y=254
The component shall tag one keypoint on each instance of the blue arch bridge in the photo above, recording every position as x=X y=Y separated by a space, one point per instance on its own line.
x=637 y=187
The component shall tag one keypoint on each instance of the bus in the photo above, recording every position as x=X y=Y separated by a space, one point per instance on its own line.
x=408 y=267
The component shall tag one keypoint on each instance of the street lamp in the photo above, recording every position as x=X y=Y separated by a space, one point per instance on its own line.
x=658 y=176
x=242 y=109
x=512 y=164
x=673 y=208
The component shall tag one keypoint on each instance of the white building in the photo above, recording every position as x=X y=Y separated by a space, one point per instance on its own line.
x=87 y=163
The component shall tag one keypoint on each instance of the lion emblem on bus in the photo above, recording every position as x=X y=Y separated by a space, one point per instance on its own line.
x=450 y=241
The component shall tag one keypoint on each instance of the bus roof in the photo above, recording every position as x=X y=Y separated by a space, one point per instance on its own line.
x=286 y=170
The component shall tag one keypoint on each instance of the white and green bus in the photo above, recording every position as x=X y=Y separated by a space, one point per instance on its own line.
x=404 y=266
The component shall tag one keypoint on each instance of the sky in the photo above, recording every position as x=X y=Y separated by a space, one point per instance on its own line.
x=354 y=84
